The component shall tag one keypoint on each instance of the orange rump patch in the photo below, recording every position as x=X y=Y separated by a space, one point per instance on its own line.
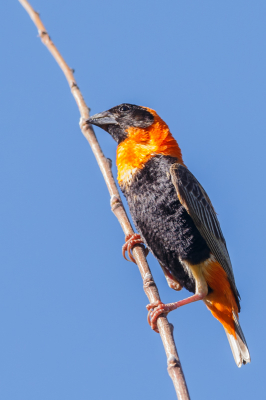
x=221 y=302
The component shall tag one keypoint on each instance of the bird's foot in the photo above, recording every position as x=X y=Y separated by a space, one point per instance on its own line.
x=131 y=241
x=171 y=280
x=156 y=309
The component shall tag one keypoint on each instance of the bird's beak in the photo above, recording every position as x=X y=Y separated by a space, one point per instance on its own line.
x=104 y=118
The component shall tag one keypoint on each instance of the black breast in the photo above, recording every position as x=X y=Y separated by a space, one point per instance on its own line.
x=162 y=221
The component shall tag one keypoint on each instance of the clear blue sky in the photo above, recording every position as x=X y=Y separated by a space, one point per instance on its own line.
x=72 y=310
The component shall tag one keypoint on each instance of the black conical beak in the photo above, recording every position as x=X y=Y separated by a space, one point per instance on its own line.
x=102 y=119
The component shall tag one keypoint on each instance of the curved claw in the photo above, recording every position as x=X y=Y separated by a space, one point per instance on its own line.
x=155 y=310
x=124 y=249
x=153 y=327
x=150 y=308
x=131 y=241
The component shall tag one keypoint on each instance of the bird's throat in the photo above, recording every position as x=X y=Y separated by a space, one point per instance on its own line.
x=141 y=144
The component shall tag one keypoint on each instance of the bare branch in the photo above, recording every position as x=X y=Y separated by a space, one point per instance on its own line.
x=150 y=288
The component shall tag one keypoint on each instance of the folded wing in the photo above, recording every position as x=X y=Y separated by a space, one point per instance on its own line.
x=198 y=205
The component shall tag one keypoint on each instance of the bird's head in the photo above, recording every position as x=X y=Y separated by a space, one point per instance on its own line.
x=140 y=133
x=117 y=120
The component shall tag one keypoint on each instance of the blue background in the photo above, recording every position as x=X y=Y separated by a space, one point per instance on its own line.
x=72 y=310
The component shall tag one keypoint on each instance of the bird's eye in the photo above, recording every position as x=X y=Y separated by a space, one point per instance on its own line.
x=124 y=108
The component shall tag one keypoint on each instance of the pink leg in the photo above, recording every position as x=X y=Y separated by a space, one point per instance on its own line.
x=158 y=308
x=131 y=241
x=172 y=282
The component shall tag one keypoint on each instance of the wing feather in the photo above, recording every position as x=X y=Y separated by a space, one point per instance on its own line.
x=198 y=205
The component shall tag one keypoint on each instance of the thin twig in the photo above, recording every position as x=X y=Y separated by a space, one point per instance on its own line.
x=150 y=288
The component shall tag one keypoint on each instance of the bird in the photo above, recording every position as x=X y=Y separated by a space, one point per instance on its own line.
x=174 y=218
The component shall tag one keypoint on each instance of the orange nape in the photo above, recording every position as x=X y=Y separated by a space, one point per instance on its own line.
x=143 y=143
x=221 y=302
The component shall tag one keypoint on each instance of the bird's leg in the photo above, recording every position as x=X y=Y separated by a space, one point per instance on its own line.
x=172 y=281
x=157 y=308
x=131 y=241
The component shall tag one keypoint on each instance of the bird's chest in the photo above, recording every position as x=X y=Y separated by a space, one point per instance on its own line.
x=160 y=218
x=157 y=212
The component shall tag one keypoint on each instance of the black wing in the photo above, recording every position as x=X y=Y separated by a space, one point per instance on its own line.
x=198 y=205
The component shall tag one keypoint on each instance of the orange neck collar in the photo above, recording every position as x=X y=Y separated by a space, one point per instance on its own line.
x=143 y=144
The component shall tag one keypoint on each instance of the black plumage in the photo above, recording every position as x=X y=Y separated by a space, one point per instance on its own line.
x=168 y=230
